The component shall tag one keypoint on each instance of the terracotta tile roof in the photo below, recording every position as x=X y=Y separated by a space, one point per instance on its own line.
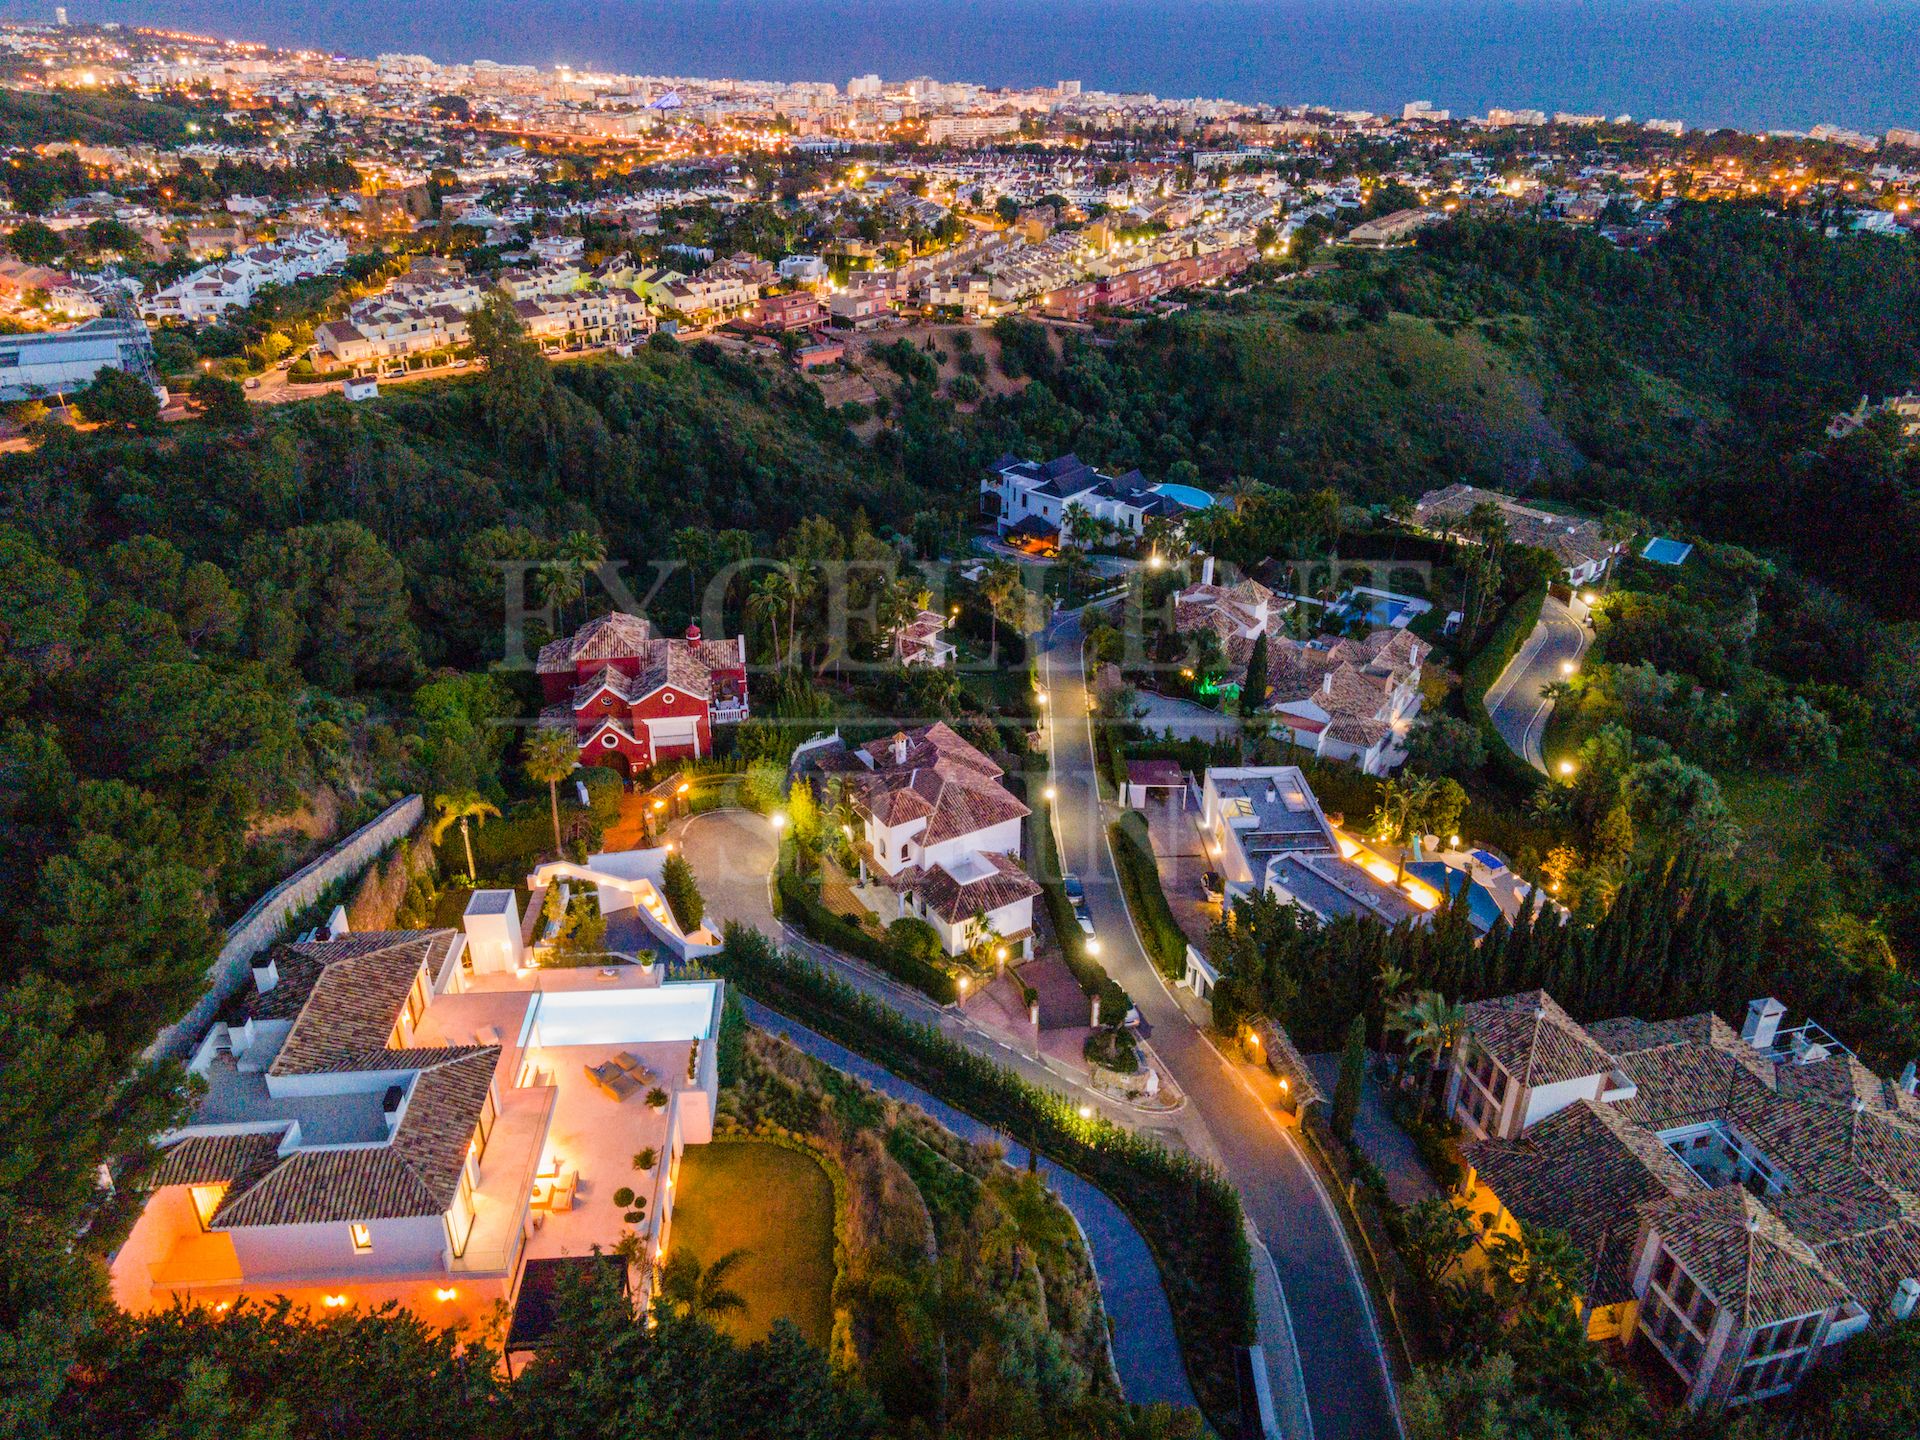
x=932 y=774
x=1742 y=1255
x=954 y=902
x=613 y=636
x=416 y=1173
x=1534 y=1040
x=235 y=1160
x=1843 y=1142
x=347 y=996
x=1585 y=1171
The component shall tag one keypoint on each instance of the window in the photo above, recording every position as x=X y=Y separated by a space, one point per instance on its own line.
x=206 y=1200
x=362 y=1238
x=416 y=1002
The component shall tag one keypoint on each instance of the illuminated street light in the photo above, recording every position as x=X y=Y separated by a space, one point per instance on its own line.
x=1086 y=1112
x=1093 y=945
x=778 y=820
x=1048 y=793
x=1567 y=667
x=1566 y=767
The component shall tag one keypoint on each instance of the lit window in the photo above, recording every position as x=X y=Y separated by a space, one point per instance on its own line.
x=362 y=1238
x=206 y=1200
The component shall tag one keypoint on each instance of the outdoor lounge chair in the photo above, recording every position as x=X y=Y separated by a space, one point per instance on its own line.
x=635 y=1066
x=563 y=1188
x=612 y=1081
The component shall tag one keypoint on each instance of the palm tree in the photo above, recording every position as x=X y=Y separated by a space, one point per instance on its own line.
x=1077 y=524
x=701 y=1291
x=1434 y=1026
x=449 y=809
x=776 y=591
x=551 y=756
x=561 y=583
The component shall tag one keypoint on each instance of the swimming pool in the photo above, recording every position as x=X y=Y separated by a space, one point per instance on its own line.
x=681 y=1011
x=1190 y=496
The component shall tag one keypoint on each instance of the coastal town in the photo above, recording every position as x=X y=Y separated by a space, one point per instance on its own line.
x=835 y=760
x=384 y=196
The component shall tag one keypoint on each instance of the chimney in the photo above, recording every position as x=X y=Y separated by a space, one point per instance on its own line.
x=266 y=975
x=1763 y=1022
x=1905 y=1298
x=1206 y=571
x=693 y=632
x=1910 y=1079
x=900 y=747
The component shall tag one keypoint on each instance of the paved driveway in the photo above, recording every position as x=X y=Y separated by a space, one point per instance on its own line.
x=1325 y=1312
x=1184 y=718
x=1518 y=708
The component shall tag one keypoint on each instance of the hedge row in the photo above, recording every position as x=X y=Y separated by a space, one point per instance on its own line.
x=1187 y=1212
x=1166 y=942
x=799 y=904
x=1484 y=670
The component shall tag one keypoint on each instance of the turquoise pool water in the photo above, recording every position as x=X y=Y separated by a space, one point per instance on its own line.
x=1188 y=495
x=682 y=1011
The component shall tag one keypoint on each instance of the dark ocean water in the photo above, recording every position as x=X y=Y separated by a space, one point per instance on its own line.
x=1751 y=63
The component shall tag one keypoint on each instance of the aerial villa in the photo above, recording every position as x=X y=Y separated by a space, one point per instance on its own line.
x=423 y=1116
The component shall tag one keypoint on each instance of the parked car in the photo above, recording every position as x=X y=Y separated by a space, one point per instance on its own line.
x=1086 y=924
x=1076 y=892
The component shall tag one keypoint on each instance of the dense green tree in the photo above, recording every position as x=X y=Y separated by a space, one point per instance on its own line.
x=682 y=893
x=115 y=398
x=332 y=601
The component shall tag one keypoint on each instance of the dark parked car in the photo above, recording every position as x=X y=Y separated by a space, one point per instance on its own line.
x=1076 y=892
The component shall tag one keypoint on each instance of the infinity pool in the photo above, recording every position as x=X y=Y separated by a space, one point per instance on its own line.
x=681 y=1011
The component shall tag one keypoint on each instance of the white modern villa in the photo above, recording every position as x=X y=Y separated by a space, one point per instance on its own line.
x=417 y=1116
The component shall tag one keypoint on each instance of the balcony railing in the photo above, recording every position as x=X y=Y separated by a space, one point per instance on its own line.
x=728 y=712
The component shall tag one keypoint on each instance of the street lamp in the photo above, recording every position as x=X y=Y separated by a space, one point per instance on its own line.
x=1567 y=667
x=1086 y=1112
x=1093 y=945
x=1048 y=793
x=778 y=820
x=1566 y=767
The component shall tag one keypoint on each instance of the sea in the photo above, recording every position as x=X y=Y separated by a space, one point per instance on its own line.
x=1751 y=64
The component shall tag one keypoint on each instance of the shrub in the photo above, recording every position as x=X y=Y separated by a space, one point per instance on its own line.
x=623 y=1197
x=682 y=893
x=1112 y=1047
x=657 y=1098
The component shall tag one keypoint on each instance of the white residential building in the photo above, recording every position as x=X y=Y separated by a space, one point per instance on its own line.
x=940 y=837
x=408 y=1117
x=211 y=291
x=1032 y=499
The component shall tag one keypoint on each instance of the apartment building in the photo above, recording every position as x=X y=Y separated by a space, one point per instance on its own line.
x=211 y=291
x=1742 y=1200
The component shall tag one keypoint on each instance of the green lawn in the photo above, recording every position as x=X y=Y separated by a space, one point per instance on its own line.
x=775 y=1203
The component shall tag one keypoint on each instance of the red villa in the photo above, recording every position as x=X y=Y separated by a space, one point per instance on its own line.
x=634 y=699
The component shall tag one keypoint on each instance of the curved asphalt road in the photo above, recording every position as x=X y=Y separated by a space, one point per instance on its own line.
x=1342 y=1362
x=1514 y=701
